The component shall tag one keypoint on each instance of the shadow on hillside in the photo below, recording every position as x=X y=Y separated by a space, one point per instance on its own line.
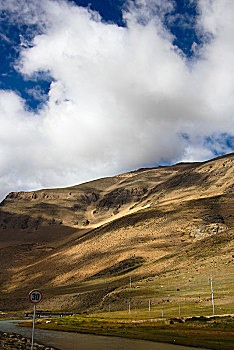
x=24 y=228
x=25 y=239
x=183 y=181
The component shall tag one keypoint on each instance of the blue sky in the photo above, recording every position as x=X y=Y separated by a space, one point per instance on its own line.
x=94 y=88
x=180 y=21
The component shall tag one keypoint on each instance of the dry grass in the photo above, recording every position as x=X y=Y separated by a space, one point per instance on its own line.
x=140 y=226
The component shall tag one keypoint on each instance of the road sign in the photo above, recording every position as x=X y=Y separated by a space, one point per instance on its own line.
x=35 y=296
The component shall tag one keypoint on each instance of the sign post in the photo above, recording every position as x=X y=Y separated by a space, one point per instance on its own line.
x=35 y=296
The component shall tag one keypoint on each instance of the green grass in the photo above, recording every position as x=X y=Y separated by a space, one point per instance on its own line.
x=213 y=333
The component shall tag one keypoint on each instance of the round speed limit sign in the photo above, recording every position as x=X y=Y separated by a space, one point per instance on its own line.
x=35 y=296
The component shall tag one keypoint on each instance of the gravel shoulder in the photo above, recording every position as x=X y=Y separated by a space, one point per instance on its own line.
x=13 y=341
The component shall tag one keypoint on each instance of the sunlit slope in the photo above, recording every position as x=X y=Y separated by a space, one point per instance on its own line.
x=89 y=205
x=168 y=225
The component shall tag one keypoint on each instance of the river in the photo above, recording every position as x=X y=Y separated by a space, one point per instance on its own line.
x=76 y=341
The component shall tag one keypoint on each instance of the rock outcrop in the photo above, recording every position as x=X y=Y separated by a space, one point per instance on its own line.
x=10 y=341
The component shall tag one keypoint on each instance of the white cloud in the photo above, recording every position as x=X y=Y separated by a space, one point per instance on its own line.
x=121 y=97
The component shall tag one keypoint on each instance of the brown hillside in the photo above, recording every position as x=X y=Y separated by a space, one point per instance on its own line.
x=80 y=245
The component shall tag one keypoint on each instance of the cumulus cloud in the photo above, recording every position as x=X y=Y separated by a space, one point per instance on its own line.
x=121 y=98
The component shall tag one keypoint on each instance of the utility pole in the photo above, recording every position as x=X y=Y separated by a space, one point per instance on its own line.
x=211 y=283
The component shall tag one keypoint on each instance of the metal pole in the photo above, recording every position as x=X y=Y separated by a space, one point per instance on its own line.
x=211 y=282
x=34 y=316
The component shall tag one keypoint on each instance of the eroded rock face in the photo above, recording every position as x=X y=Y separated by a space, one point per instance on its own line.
x=83 y=200
x=203 y=231
x=53 y=195
x=121 y=196
x=29 y=211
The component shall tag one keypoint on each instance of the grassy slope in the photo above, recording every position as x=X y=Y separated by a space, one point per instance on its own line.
x=89 y=268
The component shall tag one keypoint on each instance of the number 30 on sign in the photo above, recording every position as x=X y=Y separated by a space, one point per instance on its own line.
x=35 y=296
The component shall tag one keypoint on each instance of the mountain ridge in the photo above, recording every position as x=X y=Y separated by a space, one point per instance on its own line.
x=69 y=241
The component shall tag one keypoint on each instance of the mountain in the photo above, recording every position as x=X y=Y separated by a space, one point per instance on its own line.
x=167 y=228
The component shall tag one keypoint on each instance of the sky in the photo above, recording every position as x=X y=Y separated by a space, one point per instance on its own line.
x=90 y=89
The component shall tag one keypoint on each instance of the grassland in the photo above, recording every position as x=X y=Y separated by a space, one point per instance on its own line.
x=207 y=332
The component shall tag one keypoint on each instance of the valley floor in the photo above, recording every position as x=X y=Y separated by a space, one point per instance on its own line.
x=206 y=332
